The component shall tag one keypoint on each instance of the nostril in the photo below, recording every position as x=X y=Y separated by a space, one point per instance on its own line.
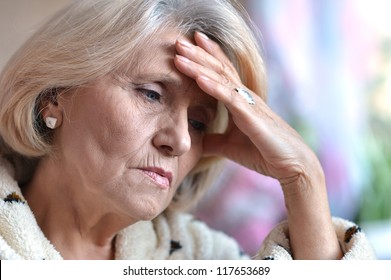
x=167 y=148
x=173 y=139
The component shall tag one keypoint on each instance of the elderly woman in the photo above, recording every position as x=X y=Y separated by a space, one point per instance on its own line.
x=113 y=118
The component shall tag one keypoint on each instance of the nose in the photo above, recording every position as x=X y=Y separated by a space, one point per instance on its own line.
x=173 y=137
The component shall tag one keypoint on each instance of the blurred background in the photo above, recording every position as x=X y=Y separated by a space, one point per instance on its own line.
x=329 y=70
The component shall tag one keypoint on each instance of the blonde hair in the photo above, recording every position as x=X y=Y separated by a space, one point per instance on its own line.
x=93 y=38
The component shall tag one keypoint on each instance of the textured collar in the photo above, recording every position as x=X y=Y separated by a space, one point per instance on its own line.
x=20 y=235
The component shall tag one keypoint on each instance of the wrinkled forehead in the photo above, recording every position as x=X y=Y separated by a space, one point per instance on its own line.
x=154 y=48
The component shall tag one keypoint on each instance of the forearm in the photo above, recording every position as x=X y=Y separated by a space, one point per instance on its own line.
x=311 y=232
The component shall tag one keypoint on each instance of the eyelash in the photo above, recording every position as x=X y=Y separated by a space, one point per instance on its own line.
x=147 y=93
x=196 y=125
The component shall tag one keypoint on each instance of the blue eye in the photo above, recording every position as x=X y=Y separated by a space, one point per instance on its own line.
x=150 y=94
x=198 y=126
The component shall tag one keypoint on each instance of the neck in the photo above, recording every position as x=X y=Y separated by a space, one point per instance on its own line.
x=70 y=217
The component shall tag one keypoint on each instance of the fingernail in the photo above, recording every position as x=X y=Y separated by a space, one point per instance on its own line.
x=203 y=35
x=182 y=58
x=204 y=78
x=185 y=43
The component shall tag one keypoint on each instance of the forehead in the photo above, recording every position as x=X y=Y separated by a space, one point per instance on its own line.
x=154 y=63
x=156 y=53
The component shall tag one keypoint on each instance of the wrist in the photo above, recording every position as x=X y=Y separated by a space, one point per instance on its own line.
x=304 y=182
x=312 y=235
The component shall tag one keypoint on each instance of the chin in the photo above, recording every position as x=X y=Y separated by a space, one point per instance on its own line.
x=149 y=210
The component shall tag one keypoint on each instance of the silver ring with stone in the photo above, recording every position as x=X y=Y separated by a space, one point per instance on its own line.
x=246 y=95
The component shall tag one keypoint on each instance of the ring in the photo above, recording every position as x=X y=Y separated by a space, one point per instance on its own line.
x=246 y=95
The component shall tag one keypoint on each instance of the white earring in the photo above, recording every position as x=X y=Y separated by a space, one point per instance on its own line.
x=51 y=122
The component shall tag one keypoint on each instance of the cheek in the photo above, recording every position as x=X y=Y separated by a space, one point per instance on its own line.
x=100 y=134
x=116 y=130
x=119 y=133
x=187 y=162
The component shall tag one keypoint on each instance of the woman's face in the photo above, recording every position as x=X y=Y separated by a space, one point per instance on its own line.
x=126 y=144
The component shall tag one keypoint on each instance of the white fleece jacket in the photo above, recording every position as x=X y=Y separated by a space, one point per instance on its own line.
x=172 y=235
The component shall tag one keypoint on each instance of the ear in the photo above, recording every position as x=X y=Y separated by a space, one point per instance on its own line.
x=52 y=114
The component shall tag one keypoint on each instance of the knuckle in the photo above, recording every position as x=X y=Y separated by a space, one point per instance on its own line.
x=222 y=67
x=225 y=81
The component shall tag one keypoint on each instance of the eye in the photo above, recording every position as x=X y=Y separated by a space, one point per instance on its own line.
x=150 y=95
x=198 y=126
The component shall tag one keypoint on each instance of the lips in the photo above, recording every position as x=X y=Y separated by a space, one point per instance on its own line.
x=158 y=175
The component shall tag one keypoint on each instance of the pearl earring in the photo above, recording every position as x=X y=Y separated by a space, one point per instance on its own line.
x=51 y=122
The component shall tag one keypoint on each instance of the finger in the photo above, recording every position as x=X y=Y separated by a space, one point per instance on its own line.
x=235 y=147
x=198 y=63
x=219 y=63
x=211 y=47
x=196 y=71
x=222 y=90
x=217 y=85
x=227 y=94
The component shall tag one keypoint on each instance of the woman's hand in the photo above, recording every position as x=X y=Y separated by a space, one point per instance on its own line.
x=256 y=137
x=260 y=140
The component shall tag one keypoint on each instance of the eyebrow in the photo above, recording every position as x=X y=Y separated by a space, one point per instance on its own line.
x=165 y=79
x=160 y=78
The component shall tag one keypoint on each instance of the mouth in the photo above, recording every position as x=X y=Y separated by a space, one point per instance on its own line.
x=159 y=176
